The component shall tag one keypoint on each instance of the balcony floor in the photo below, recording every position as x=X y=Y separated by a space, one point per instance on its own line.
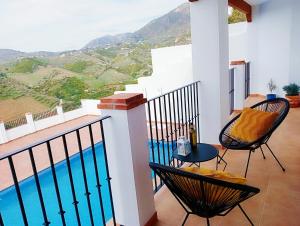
x=278 y=203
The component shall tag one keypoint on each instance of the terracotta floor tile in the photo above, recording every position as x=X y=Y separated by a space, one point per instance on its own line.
x=278 y=203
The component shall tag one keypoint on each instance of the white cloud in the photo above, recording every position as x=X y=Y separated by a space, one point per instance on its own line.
x=56 y=25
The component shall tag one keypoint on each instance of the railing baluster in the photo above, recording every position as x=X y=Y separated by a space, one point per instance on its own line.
x=189 y=108
x=167 y=128
x=198 y=119
x=195 y=107
x=38 y=186
x=98 y=184
x=1 y=220
x=182 y=117
x=61 y=210
x=185 y=113
x=87 y=193
x=178 y=113
x=75 y=202
x=171 y=125
x=157 y=136
x=174 y=114
x=19 y=195
x=162 y=131
x=107 y=173
x=152 y=144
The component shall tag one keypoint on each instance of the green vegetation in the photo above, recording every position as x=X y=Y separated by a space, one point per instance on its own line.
x=3 y=75
x=72 y=89
x=131 y=69
x=27 y=65
x=78 y=66
x=236 y=17
x=292 y=89
x=89 y=74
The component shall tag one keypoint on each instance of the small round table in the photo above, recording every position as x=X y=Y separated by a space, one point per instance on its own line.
x=204 y=152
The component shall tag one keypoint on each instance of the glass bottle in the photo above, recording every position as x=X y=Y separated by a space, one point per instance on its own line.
x=193 y=136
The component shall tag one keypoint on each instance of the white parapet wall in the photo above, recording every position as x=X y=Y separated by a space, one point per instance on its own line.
x=88 y=107
x=172 y=66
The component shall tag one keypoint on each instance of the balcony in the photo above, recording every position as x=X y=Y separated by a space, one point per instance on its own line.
x=278 y=201
x=82 y=188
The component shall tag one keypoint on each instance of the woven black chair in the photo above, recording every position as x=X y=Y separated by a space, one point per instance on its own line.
x=204 y=196
x=279 y=105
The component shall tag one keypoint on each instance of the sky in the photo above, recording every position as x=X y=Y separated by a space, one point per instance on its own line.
x=59 y=25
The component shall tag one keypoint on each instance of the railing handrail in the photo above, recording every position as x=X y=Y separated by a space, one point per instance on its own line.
x=53 y=137
x=174 y=90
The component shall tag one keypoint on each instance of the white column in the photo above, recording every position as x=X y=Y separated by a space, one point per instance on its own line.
x=3 y=135
x=239 y=86
x=210 y=64
x=128 y=158
x=60 y=113
x=30 y=123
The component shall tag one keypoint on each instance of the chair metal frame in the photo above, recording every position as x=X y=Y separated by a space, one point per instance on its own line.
x=201 y=206
x=279 y=105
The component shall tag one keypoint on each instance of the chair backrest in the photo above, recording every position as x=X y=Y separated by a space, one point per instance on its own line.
x=204 y=196
x=279 y=105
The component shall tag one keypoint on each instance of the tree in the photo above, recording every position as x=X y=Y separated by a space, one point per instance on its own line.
x=236 y=17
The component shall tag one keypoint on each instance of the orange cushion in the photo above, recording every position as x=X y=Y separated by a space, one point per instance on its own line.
x=252 y=124
x=218 y=174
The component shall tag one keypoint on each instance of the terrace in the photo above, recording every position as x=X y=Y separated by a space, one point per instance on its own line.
x=94 y=171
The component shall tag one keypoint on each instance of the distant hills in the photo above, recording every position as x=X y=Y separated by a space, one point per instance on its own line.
x=7 y=55
x=169 y=27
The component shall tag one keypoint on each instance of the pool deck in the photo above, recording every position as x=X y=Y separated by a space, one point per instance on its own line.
x=278 y=203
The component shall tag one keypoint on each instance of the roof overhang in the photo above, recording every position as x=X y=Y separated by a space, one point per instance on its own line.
x=241 y=5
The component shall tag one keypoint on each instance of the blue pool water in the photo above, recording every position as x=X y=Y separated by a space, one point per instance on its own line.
x=9 y=206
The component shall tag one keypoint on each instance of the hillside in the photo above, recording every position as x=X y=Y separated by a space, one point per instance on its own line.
x=103 y=66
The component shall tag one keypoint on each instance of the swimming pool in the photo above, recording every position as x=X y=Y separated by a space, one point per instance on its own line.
x=9 y=206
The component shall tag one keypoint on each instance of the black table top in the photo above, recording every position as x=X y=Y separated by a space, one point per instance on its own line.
x=204 y=152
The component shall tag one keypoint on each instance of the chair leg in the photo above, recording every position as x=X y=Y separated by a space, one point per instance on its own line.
x=248 y=163
x=262 y=152
x=245 y=215
x=185 y=219
x=207 y=220
x=283 y=169
x=221 y=158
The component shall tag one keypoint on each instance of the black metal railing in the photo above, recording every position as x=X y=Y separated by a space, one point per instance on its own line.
x=45 y=114
x=82 y=197
x=231 y=89
x=247 y=79
x=15 y=123
x=170 y=116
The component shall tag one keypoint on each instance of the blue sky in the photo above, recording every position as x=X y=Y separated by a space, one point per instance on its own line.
x=57 y=25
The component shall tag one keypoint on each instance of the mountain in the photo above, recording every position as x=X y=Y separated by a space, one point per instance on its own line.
x=7 y=55
x=172 y=26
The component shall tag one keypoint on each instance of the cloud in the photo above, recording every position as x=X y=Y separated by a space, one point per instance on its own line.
x=56 y=25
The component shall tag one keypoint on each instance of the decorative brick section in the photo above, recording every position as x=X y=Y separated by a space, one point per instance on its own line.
x=122 y=101
x=237 y=62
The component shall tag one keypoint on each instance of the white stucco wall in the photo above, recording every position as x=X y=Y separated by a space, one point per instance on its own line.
x=295 y=42
x=238 y=40
x=273 y=45
x=172 y=68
